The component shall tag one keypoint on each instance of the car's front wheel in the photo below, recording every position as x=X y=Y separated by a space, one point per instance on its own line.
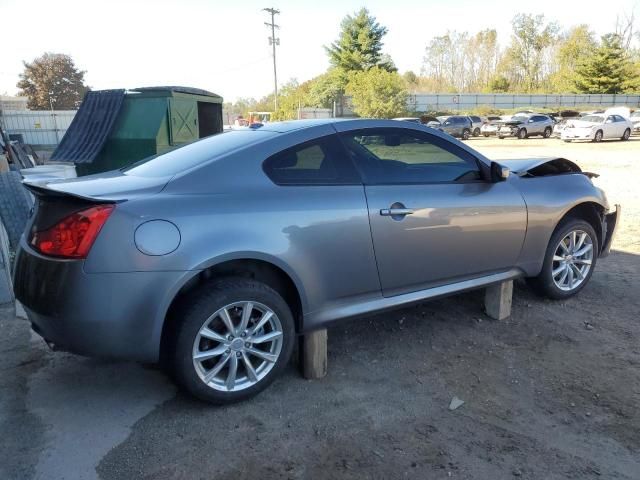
x=476 y=132
x=234 y=337
x=522 y=134
x=598 y=136
x=547 y=132
x=569 y=260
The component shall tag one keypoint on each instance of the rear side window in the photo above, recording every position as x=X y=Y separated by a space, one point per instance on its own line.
x=318 y=162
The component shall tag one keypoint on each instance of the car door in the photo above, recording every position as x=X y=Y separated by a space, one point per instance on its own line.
x=433 y=219
x=609 y=128
x=536 y=125
x=621 y=125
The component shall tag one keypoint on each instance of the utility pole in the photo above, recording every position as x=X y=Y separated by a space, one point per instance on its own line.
x=273 y=41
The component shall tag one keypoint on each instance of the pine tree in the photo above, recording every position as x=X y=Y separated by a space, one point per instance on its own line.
x=359 y=46
x=607 y=70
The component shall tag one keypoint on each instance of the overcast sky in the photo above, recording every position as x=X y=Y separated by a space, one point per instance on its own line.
x=222 y=46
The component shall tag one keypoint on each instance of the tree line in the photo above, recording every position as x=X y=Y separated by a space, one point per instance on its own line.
x=540 y=57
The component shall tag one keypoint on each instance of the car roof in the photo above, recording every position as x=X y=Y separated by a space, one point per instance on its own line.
x=292 y=125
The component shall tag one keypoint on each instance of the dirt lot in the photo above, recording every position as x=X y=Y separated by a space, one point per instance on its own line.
x=553 y=392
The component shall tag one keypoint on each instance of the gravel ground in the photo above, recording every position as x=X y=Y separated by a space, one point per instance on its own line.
x=553 y=392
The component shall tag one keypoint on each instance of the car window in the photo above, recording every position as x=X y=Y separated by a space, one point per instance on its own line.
x=318 y=162
x=398 y=156
x=609 y=119
x=475 y=119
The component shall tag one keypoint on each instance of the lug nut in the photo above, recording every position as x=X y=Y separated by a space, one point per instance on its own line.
x=247 y=345
x=228 y=351
x=238 y=354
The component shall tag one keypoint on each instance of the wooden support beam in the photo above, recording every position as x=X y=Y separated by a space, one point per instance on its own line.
x=313 y=354
x=497 y=300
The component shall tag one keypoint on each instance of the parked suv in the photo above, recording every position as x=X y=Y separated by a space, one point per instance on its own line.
x=213 y=257
x=523 y=126
x=456 y=126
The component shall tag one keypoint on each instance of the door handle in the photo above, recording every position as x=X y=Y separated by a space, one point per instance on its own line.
x=392 y=212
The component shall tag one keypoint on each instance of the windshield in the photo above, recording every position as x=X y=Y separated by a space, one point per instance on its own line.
x=192 y=154
x=593 y=119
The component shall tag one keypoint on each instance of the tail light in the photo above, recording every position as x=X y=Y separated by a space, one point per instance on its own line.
x=73 y=236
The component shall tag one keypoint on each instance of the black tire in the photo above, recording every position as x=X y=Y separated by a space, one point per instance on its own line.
x=547 y=132
x=486 y=135
x=522 y=133
x=15 y=205
x=543 y=284
x=203 y=303
x=476 y=132
x=567 y=141
x=626 y=135
x=466 y=134
x=598 y=136
x=500 y=137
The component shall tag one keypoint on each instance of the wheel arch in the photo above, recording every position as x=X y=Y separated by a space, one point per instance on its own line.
x=590 y=211
x=249 y=265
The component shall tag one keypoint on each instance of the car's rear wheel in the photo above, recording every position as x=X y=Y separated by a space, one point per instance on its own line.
x=547 y=132
x=476 y=132
x=569 y=260
x=486 y=134
x=626 y=135
x=235 y=336
x=598 y=137
x=522 y=133
x=466 y=134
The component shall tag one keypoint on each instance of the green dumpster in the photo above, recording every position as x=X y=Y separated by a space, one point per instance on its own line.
x=143 y=122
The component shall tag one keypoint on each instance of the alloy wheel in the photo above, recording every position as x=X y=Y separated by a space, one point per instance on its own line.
x=572 y=260
x=237 y=346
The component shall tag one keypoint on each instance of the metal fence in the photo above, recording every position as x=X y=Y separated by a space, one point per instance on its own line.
x=440 y=102
x=37 y=127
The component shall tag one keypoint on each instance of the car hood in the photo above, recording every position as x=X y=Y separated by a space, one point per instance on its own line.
x=527 y=167
x=111 y=186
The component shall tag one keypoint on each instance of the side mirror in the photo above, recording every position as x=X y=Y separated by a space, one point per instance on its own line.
x=499 y=173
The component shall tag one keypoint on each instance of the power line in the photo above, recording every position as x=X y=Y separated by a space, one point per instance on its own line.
x=273 y=41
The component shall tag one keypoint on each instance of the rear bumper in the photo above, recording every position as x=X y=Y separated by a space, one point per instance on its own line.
x=609 y=229
x=113 y=315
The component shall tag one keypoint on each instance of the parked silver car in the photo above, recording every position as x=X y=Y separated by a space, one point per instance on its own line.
x=524 y=126
x=211 y=258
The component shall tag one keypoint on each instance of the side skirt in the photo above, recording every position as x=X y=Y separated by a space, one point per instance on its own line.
x=350 y=308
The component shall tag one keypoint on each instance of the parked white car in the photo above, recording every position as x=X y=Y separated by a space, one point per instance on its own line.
x=597 y=128
x=635 y=119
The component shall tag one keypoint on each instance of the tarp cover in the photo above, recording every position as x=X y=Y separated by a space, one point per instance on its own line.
x=90 y=127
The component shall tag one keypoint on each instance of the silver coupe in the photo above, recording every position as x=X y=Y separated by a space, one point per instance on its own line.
x=213 y=257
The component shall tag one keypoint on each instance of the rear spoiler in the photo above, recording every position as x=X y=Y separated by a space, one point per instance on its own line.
x=42 y=191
